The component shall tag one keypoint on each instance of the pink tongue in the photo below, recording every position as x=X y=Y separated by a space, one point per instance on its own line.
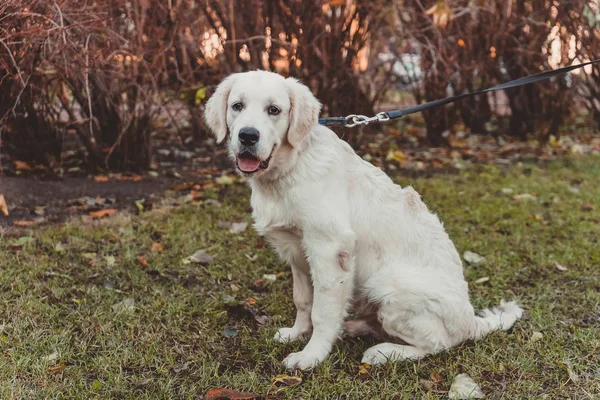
x=248 y=164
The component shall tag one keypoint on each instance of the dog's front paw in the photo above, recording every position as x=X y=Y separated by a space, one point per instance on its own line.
x=285 y=335
x=303 y=360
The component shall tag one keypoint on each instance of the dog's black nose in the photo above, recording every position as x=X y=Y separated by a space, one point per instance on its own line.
x=248 y=136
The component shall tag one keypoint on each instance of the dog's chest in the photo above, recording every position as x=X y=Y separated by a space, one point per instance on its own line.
x=271 y=213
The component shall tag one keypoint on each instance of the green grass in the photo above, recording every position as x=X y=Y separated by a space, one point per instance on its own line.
x=58 y=299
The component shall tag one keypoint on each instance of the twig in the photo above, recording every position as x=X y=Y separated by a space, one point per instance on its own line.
x=232 y=29
x=14 y=61
x=87 y=89
x=62 y=24
x=118 y=141
x=19 y=97
x=30 y=14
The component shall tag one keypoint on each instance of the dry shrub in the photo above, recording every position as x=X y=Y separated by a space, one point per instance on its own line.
x=108 y=73
x=77 y=69
x=473 y=45
x=105 y=71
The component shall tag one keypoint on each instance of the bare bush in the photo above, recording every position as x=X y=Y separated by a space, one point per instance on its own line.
x=586 y=18
x=468 y=46
x=105 y=70
x=108 y=72
x=76 y=68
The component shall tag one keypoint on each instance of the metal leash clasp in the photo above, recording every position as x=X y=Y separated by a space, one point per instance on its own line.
x=357 y=119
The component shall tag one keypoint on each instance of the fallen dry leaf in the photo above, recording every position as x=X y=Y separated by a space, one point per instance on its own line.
x=482 y=280
x=473 y=258
x=22 y=165
x=142 y=261
x=101 y=178
x=238 y=227
x=524 y=196
x=535 y=336
x=262 y=319
x=156 y=247
x=196 y=195
x=3 y=206
x=436 y=377
x=127 y=305
x=229 y=332
x=51 y=357
x=103 y=213
x=395 y=155
x=287 y=380
x=229 y=394
x=133 y=178
x=23 y=223
x=199 y=257
x=587 y=207
x=364 y=369
x=569 y=367
x=110 y=260
x=560 y=267
x=58 y=368
x=463 y=387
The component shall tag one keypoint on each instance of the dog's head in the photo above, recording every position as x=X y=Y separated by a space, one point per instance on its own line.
x=263 y=112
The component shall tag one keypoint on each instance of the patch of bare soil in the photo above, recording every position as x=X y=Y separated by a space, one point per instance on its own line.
x=36 y=195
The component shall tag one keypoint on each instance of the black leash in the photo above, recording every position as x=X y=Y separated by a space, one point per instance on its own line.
x=354 y=119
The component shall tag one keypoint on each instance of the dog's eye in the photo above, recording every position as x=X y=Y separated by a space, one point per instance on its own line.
x=272 y=110
x=237 y=106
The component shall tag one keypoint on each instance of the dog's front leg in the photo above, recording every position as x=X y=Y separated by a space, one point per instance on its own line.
x=303 y=299
x=288 y=245
x=332 y=269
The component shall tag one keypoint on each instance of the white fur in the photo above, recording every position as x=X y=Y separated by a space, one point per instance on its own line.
x=354 y=239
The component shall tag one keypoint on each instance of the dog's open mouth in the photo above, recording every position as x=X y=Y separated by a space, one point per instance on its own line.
x=248 y=163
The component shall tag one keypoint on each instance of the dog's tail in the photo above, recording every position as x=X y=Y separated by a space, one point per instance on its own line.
x=502 y=317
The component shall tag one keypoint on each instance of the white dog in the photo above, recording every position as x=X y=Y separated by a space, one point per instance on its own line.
x=356 y=242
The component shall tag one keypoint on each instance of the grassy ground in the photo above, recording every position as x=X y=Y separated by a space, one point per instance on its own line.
x=196 y=327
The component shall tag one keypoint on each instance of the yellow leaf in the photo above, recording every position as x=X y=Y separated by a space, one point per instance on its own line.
x=200 y=95
x=287 y=380
x=364 y=369
x=395 y=155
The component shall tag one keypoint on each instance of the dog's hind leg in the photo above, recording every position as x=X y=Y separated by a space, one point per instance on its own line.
x=385 y=352
x=422 y=330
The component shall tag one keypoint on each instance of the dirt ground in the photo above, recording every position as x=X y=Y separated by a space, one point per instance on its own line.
x=24 y=194
x=38 y=196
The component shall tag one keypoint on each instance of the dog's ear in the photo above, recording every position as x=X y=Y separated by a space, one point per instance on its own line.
x=304 y=113
x=215 y=113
